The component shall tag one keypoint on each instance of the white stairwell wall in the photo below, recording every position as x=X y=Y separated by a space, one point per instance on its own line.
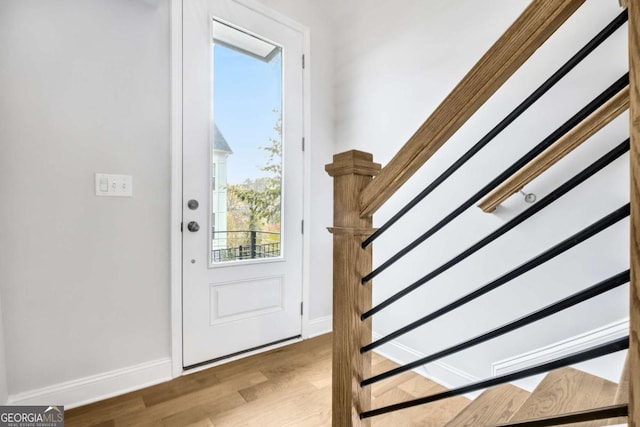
x=396 y=61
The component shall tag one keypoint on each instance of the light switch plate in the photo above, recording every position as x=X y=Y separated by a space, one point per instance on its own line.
x=114 y=185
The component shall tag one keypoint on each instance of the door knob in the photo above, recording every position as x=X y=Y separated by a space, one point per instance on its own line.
x=193 y=226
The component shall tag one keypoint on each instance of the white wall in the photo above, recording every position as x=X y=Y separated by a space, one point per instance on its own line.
x=395 y=62
x=84 y=279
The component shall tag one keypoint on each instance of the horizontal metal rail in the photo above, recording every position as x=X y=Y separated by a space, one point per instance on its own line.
x=534 y=262
x=568 y=302
x=596 y=103
x=510 y=118
x=601 y=350
x=534 y=209
x=604 y=413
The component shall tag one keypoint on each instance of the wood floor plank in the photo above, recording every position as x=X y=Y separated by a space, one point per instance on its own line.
x=202 y=414
x=382 y=387
x=567 y=390
x=102 y=413
x=180 y=386
x=419 y=386
x=299 y=354
x=216 y=397
x=289 y=408
x=203 y=423
x=408 y=417
x=493 y=406
x=431 y=415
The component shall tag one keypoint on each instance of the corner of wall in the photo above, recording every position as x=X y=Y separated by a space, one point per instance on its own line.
x=318 y=326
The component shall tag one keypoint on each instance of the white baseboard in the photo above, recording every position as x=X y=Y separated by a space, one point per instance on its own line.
x=319 y=326
x=97 y=387
x=574 y=344
x=438 y=371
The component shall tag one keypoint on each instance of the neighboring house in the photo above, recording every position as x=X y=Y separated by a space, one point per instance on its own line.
x=219 y=154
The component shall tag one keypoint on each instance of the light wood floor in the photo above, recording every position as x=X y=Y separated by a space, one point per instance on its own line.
x=290 y=386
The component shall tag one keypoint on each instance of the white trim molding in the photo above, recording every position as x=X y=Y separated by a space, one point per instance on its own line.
x=176 y=187
x=574 y=344
x=318 y=326
x=439 y=372
x=97 y=387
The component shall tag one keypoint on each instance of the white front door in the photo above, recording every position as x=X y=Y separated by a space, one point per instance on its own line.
x=242 y=181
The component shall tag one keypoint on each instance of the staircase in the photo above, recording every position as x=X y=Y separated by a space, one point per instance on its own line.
x=562 y=391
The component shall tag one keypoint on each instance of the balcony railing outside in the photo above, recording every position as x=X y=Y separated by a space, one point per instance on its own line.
x=244 y=244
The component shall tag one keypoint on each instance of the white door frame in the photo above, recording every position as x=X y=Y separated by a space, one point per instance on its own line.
x=176 y=171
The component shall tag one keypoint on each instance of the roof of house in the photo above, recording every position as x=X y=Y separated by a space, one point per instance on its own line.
x=219 y=141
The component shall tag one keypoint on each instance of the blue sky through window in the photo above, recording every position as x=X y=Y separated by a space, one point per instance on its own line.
x=246 y=91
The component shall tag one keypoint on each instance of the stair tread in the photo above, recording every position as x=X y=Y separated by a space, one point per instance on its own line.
x=493 y=406
x=567 y=390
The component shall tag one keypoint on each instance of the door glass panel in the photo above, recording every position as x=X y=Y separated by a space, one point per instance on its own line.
x=246 y=147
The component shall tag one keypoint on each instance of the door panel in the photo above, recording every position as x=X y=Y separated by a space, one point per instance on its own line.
x=242 y=180
x=250 y=298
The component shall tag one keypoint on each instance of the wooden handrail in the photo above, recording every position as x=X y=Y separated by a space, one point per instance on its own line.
x=532 y=28
x=634 y=166
x=563 y=146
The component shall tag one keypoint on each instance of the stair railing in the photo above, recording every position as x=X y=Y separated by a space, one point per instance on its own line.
x=361 y=187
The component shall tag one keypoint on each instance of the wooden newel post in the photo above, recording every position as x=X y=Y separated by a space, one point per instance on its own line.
x=351 y=172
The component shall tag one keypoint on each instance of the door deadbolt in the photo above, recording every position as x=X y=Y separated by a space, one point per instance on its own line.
x=193 y=226
x=193 y=204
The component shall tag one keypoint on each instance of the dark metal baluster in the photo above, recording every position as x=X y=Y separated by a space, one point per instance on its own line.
x=528 y=102
x=591 y=292
x=609 y=93
x=543 y=203
x=545 y=256
x=601 y=350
